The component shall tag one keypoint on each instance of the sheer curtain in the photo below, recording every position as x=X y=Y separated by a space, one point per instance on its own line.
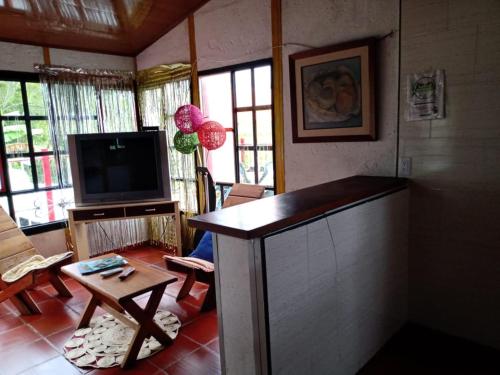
x=91 y=101
x=161 y=91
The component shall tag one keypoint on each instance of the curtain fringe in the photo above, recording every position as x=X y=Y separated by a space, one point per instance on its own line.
x=162 y=74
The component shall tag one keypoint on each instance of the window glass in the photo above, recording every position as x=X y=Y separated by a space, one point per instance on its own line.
x=2 y=178
x=216 y=103
x=20 y=4
x=67 y=179
x=248 y=105
x=15 y=136
x=4 y=202
x=35 y=99
x=220 y=162
x=46 y=171
x=20 y=173
x=41 y=135
x=216 y=100
x=42 y=207
x=218 y=197
x=243 y=88
x=12 y=100
x=262 y=85
x=245 y=128
x=264 y=127
x=266 y=169
x=247 y=169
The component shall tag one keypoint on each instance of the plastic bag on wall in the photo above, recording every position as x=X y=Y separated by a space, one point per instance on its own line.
x=425 y=96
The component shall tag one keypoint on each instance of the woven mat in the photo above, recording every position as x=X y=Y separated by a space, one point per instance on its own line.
x=105 y=342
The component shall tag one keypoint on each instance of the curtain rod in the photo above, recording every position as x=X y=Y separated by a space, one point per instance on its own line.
x=55 y=70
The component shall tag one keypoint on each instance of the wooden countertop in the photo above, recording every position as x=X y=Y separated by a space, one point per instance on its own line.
x=263 y=216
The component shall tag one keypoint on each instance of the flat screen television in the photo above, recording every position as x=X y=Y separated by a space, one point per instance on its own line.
x=119 y=167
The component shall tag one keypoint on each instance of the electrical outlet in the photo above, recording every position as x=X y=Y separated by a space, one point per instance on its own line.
x=405 y=167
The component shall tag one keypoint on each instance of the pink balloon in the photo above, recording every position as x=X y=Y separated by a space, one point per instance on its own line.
x=188 y=118
x=212 y=135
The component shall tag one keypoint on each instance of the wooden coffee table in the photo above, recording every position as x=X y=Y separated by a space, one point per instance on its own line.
x=116 y=297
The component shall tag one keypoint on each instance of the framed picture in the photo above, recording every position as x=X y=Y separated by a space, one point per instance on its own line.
x=332 y=93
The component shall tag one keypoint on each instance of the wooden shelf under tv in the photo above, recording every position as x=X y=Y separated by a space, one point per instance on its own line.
x=79 y=217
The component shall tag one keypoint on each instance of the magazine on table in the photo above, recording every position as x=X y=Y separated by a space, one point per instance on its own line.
x=93 y=266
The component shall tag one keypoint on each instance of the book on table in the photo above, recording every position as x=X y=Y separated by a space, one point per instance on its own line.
x=93 y=266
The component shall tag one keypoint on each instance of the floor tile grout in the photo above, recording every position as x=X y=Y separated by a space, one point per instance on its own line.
x=182 y=358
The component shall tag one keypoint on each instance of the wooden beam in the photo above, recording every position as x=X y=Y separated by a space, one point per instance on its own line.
x=194 y=62
x=279 y=146
x=195 y=95
x=46 y=55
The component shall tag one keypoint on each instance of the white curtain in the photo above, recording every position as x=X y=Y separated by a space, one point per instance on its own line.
x=83 y=101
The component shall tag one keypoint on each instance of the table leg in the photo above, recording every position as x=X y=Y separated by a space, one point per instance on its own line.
x=147 y=326
x=25 y=304
x=89 y=311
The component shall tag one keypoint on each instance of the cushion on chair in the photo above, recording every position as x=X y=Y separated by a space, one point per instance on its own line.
x=36 y=262
x=194 y=263
x=204 y=250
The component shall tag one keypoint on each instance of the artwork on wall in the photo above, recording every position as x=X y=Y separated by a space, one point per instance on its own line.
x=332 y=93
x=425 y=96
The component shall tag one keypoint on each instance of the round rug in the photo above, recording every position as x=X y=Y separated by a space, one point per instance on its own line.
x=105 y=342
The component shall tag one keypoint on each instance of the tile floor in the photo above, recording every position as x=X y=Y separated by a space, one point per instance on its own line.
x=34 y=344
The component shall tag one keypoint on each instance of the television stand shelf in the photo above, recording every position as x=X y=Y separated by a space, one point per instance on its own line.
x=78 y=218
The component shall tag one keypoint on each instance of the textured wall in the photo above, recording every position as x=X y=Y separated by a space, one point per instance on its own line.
x=90 y=60
x=172 y=47
x=49 y=243
x=19 y=57
x=22 y=57
x=317 y=23
x=229 y=32
x=455 y=237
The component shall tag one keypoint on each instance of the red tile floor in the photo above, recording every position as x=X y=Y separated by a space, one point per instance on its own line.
x=34 y=344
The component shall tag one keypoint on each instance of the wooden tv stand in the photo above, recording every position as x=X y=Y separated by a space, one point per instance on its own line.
x=78 y=218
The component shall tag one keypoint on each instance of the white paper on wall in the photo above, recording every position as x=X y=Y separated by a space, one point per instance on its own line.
x=425 y=95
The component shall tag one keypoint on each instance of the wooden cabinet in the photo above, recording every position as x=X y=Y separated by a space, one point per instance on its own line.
x=78 y=218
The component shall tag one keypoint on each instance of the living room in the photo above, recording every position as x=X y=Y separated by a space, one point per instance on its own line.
x=453 y=260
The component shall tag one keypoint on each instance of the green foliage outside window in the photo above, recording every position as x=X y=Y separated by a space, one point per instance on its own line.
x=11 y=102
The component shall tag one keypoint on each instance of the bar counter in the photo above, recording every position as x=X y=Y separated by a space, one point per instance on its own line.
x=274 y=213
x=312 y=281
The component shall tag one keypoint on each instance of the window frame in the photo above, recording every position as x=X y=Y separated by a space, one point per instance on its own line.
x=23 y=78
x=232 y=69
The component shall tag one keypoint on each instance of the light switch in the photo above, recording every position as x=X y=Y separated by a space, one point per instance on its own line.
x=405 y=167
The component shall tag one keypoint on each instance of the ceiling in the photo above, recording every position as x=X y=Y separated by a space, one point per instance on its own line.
x=122 y=27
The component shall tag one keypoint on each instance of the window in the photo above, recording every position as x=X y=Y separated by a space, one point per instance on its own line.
x=29 y=186
x=35 y=175
x=240 y=98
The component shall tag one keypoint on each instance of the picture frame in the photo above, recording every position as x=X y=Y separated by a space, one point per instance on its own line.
x=333 y=93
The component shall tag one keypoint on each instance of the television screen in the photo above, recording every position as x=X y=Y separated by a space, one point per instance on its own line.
x=119 y=167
